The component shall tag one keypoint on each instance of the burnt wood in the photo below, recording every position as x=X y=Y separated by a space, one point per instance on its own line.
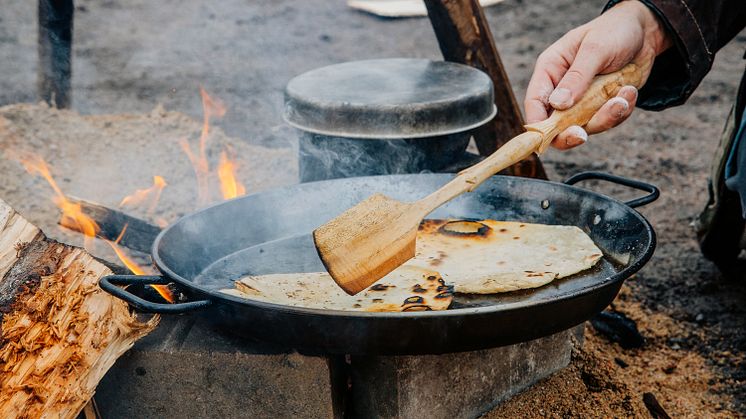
x=139 y=234
x=464 y=36
x=654 y=407
x=54 y=49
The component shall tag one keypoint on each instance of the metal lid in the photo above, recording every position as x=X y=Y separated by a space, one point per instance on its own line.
x=390 y=98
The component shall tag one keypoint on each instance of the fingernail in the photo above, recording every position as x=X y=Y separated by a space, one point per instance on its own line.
x=560 y=98
x=619 y=107
x=578 y=134
x=629 y=92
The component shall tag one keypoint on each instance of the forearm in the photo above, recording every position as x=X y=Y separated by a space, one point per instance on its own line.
x=697 y=30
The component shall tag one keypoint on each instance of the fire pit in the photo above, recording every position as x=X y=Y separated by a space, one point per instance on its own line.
x=189 y=349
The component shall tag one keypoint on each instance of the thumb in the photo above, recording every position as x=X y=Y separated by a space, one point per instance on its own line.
x=588 y=62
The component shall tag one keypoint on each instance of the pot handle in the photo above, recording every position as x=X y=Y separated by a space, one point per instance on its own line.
x=653 y=191
x=109 y=284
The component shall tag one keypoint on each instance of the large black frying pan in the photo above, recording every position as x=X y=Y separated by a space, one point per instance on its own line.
x=269 y=232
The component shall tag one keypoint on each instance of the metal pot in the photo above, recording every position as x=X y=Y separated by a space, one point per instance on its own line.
x=391 y=116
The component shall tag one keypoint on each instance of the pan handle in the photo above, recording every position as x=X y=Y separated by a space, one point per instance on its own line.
x=652 y=190
x=109 y=284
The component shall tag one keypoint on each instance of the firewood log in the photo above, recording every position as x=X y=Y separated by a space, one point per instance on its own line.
x=59 y=332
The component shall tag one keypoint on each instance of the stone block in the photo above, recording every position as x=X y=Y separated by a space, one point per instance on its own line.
x=185 y=369
x=459 y=385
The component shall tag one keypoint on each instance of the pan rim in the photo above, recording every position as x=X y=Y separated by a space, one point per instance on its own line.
x=222 y=298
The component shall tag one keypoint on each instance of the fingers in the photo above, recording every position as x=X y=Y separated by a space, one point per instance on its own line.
x=536 y=103
x=550 y=66
x=569 y=138
x=539 y=88
x=613 y=112
x=590 y=60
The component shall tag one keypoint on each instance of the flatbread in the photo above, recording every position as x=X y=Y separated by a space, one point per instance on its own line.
x=473 y=257
x=408 y=288
x=488 y=256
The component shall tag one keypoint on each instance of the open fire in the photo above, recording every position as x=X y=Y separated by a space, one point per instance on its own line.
x=72 y=216
x=129 y=263
x=146 y=199
x=74 y=219
x=229 y=186
x=227 y=165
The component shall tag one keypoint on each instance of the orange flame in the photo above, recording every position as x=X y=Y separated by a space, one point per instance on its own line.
x=137 y=269
x=72 y=214
x=226 y=171
x=74 y=218
x=134 y=200
x=211 y=107
x=229 y=186
x=128 y=262
x=141 y=195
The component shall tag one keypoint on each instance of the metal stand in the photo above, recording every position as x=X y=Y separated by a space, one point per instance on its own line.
x=55 y=48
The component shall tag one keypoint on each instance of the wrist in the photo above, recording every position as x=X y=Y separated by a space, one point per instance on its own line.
x=656 y=34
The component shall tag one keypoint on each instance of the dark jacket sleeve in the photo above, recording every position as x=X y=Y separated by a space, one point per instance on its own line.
x=698 y=28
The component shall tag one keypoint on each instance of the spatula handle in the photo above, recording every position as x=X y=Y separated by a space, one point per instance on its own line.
x=601 y=90
x=538 y=137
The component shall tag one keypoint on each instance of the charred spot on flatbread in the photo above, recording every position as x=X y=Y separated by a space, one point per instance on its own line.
x=429 y=226
x=414 y=300
x=465 y=229
x=408 y=288
x=417 y=307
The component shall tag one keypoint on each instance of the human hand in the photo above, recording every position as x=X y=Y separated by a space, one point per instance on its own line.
x=627 y=33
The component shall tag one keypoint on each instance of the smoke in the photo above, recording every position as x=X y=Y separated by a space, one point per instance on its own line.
x=325 y=157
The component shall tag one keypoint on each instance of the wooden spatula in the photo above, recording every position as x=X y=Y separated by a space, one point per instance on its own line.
x=373 y=238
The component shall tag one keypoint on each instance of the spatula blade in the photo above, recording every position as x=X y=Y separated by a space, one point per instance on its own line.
x=367 y=241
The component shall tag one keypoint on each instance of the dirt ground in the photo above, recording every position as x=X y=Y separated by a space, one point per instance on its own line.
x=131 y=57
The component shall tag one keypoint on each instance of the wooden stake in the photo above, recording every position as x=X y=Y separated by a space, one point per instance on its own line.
x=55 y=34
x=59 y=332
x=464 y=36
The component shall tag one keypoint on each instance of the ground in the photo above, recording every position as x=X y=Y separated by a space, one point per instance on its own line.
x=130 y=57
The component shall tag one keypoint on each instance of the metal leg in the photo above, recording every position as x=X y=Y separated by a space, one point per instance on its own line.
x=55 y=47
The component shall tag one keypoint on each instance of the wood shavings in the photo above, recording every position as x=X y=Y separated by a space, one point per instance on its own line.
x=59 y=333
